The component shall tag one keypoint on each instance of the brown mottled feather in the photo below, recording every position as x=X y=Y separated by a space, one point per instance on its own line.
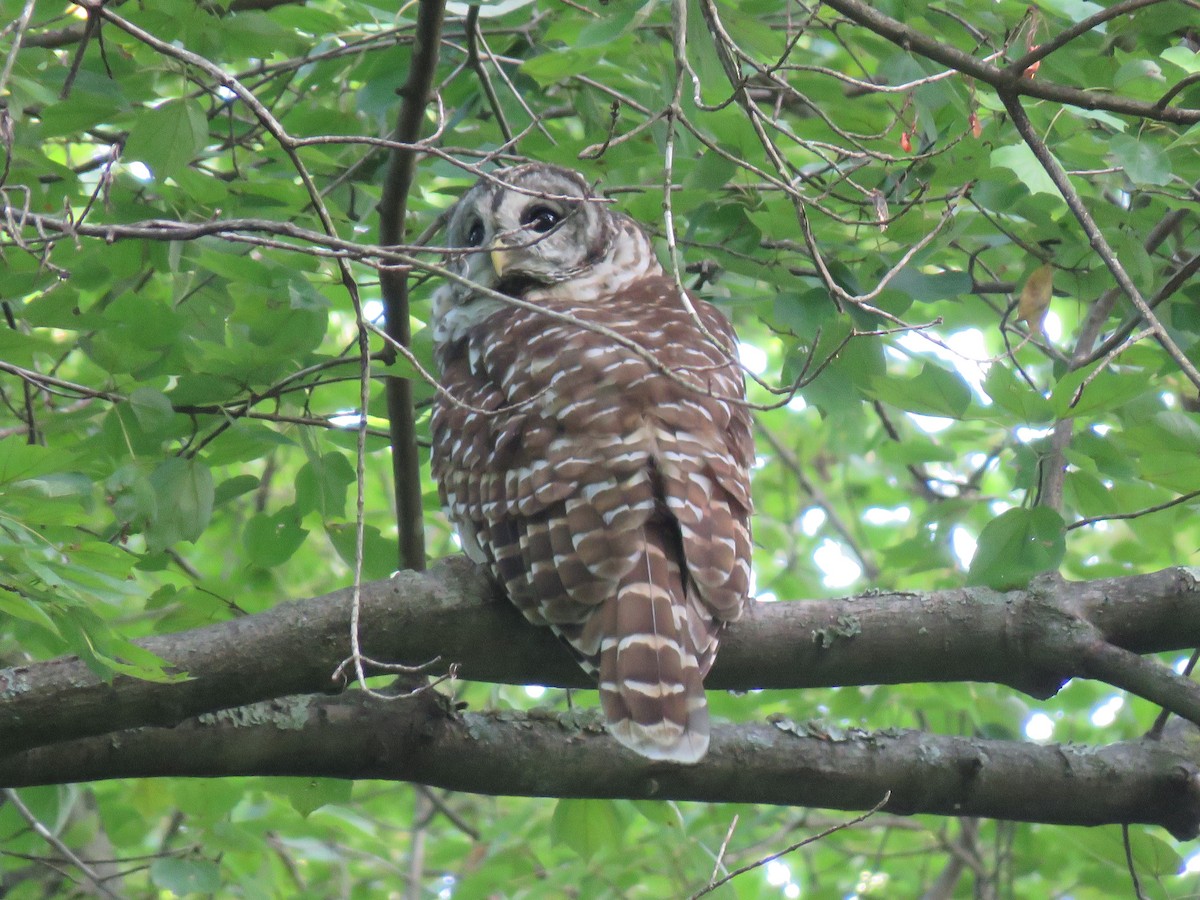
x=611 y=501
x=605 y=487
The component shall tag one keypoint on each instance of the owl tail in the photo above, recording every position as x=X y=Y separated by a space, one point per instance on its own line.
x=659 y=643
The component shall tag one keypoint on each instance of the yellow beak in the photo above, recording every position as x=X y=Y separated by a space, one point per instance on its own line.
x=499 y=256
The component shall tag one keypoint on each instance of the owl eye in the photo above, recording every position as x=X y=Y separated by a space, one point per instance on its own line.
x=475 y=234
x=540 y=218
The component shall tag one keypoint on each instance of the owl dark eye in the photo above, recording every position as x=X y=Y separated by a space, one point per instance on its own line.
x=540 y=218
x=475 y=234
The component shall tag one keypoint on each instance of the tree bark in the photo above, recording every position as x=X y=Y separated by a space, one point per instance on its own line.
x=781 y=762
x=1032 y=640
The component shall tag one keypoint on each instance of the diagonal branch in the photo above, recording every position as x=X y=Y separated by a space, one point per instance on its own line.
x=1003 y=80
x=1095 y=236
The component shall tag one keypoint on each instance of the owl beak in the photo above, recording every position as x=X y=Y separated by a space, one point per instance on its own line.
x=499 y=257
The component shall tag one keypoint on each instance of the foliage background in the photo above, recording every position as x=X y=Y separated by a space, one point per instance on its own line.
x=183 y=278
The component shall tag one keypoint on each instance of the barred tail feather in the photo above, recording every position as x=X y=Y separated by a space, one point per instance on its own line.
x=651 y=667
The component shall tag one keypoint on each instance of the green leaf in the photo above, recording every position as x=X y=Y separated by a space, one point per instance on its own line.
x=1103 y=392
x=234 y=487
x=184 y=876
x=20 y=460
x=1153 y=857
x=488 y=10
x=933 y=392
x=321 y=485
x=552 y=67
x=27 y=610
x=603 y=30
x=1172 y=469
x=1015 y=546
x=379 y=553
x=183 y=491
x=1072 y=10
x=927 y=287
x=307 y=795
x=1144 y=162
x=1184 y=57
x=152 y=408
x=1020 y=159
x=662 y=813
x=1015 y=396
x=586 y=826
x=304 y=295
x=58 y=485
x=270 y=540
x=167 y=137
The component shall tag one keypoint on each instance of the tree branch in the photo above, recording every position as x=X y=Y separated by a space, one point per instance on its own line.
x=1096 y=239
x=1003 y=80
x=1032 y=640
x=393 y=206
x=419 y=739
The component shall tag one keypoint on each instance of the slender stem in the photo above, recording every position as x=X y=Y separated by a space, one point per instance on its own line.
x=789 y=460
x=1064 y=37
x=1095 y=237
x=50 y=838
x=1002 y=79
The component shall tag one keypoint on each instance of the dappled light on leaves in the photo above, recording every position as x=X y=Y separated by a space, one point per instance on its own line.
x=960 y=245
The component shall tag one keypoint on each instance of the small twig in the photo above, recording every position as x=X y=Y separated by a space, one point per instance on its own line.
x=841 y=826
x=1160 y=722
x=414 y=876
x=1137 y=884
x=1180 y=277
x=535 y=119
x=50 y=838
x=789 y=461
x=923 y=44
x=1176 y=88
x=595 y=152
x=358 y=661
x=1105 y=363
x=724 y=846
x=1092 y=520
x=91 y=28
x=1095 y=236
x=474 y=62
x=1064 y=37
x=18 y=38
x=443 y=807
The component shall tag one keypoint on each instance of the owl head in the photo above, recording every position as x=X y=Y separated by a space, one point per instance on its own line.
x=531 y=232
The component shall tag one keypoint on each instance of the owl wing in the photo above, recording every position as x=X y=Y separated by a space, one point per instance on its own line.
x=610 y=498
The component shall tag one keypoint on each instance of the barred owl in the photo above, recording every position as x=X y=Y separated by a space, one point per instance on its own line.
x=590 y=446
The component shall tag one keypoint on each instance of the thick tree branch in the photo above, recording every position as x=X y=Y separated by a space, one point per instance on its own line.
x=1032 y=640
x=418 y=739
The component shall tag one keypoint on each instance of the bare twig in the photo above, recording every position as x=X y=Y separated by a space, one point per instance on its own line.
x=810 y=487
x=842 y=826
x=1095 y=236
x=721 y=852
x=1092 y=520
x=52 y=839
x=1003 y=80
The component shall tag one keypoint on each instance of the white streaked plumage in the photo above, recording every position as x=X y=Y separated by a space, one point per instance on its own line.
x=610 y=500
